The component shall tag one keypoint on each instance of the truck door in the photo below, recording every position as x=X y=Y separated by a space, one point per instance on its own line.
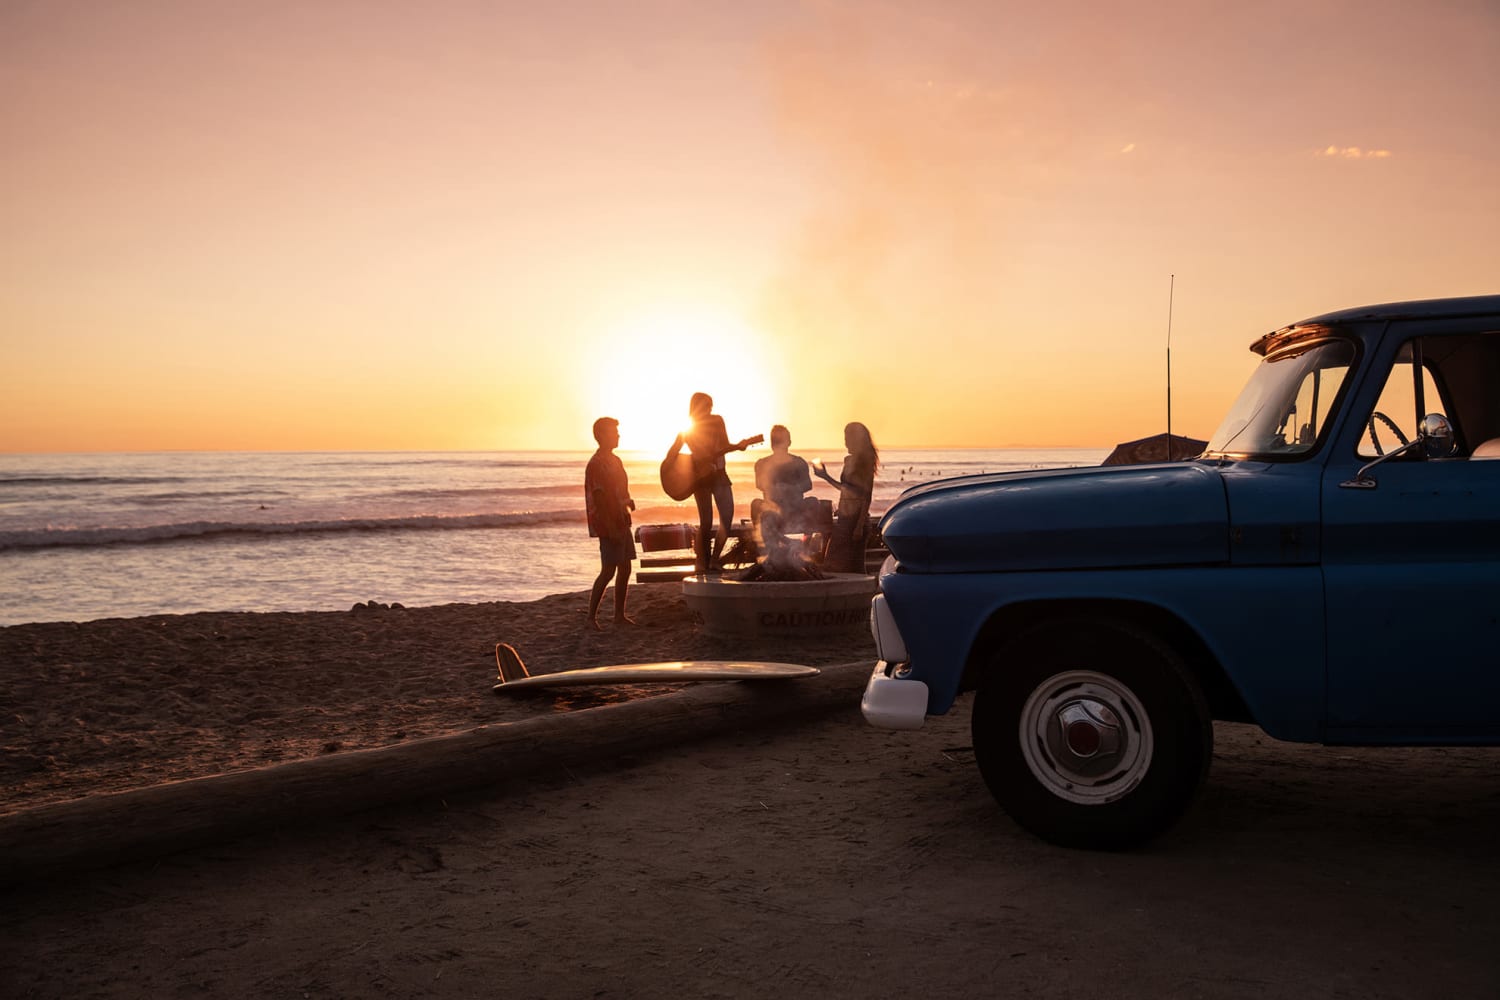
x=1412 y=563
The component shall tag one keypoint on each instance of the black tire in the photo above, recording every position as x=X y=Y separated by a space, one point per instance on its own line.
x=1071 y=687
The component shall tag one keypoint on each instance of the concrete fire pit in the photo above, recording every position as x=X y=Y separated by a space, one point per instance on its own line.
x=838 y=602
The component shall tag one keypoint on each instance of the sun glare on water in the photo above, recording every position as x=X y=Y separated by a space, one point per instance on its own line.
x=647 y=369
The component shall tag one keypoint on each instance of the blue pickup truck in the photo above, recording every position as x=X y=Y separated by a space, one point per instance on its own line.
x=1328 y=569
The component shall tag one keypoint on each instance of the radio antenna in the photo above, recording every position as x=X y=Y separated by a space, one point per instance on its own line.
x=1171 y=291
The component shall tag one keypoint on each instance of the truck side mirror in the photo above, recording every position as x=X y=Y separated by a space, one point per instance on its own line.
x=1435 y=432
x=1434 y=438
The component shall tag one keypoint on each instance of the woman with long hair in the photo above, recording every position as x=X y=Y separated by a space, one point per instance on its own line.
x=856 y=486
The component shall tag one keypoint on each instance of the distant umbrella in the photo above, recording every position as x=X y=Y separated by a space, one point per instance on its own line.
x=1156 y=448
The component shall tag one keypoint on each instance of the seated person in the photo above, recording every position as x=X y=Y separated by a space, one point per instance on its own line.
x=783 y=480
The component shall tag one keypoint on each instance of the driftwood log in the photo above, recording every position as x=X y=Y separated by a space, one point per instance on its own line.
x=110 y=829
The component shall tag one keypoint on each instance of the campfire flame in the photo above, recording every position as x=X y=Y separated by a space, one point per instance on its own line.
x=786 y=558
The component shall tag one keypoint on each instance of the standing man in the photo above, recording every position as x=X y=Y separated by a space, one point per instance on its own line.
x=607 y=492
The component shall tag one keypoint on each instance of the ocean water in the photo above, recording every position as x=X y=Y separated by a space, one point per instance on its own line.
x=88 y=536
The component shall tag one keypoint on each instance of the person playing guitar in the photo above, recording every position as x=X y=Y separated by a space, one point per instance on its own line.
x=709 y=443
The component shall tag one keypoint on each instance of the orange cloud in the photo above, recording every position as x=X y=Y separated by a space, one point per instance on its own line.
x=1352 y=153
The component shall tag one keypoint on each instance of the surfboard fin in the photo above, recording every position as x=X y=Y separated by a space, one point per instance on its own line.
x=509 y=662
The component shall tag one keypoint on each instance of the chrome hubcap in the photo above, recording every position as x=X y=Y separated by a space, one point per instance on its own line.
x=1086 y=737
x=1087 y=728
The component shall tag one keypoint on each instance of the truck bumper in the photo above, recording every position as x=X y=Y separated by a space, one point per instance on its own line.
x=892 y=702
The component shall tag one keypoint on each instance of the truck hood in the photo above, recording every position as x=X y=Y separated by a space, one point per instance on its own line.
x=1099 y=517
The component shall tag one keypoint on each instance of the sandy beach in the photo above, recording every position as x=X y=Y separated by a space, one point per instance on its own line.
x=820 y=857
x=110 y=705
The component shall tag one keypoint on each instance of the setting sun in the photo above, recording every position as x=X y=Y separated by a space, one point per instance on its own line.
x=646 y=369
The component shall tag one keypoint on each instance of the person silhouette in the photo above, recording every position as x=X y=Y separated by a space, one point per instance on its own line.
x=783 y=479
x=856 y=486
x=709 y=443
x=606 y=491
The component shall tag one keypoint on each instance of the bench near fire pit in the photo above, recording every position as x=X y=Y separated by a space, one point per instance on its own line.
x=667 y=550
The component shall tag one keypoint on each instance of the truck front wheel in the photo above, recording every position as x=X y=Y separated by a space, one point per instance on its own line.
x=1091 y=735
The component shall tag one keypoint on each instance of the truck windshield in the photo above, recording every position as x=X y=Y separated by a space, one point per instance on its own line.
x=1287 y=404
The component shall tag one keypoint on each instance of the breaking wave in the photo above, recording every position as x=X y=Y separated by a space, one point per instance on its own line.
x=195 y=531
x=47 y=538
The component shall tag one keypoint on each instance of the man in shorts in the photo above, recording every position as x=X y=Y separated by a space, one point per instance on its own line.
x=607 y=493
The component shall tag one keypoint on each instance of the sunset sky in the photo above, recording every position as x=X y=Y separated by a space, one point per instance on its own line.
x=473 y=225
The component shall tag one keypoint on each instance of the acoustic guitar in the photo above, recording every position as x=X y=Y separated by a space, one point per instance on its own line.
x=677 y=477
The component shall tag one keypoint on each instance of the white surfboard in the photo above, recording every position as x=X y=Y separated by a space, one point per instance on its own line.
x=514 y=677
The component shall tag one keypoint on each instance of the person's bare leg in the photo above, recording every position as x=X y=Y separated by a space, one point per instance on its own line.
x=597 y=594
x=622 y=585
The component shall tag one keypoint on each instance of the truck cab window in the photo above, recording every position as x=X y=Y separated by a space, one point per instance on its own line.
x=1395 y=416
x=1460 y=379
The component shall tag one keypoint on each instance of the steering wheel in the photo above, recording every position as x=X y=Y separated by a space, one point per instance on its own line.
x=1389 y=423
